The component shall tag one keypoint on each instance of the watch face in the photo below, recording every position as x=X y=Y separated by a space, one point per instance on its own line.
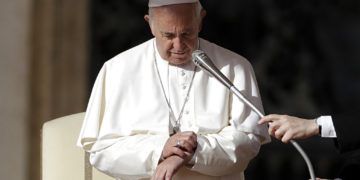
x=319 y=126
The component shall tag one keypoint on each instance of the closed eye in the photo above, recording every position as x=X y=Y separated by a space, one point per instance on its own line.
x=168 y=35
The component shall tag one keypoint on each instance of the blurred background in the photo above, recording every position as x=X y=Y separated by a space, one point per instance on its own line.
x=306 y=56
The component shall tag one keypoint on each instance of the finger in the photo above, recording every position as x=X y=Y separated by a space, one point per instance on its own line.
x=188 y=134
x=264 y=120
x=169 y=175
x=269 y=118
x=287 y=137
x=193 y=137
x=174 y=138
x=175 y=151
x=273 y=127
x=190 y=141
x=279 y=133
x=159 y=174
x=170 y=142
x=271 y=130
x=189 y=154
x=179 y=152
x=187 y=147
x=186 y=144
x=162 y=175
x=178 y=143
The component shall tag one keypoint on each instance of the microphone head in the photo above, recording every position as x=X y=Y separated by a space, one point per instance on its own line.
x=198 y=56
x=203 y=61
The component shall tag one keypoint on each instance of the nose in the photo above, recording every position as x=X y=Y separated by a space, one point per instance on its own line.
x=178 y=44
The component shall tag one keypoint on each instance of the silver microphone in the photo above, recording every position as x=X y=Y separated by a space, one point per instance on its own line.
x=203 y=61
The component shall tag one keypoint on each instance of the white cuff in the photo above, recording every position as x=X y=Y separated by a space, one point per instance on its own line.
x=327 y=126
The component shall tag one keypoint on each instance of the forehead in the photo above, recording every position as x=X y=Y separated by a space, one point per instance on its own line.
x=175 y=15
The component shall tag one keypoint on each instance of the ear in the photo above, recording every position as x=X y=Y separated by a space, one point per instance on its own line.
x=148 y=20
x=202 y=16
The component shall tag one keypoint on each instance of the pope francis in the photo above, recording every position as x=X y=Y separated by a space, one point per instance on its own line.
x=153 y=114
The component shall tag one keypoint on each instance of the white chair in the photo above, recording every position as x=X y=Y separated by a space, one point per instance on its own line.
x=61 y=158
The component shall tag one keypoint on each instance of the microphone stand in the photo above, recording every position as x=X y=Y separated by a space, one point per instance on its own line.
x=200 y=59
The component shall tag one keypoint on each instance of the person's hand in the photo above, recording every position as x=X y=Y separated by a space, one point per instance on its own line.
x=285 y=128
x=167 y=168
x=182 y=144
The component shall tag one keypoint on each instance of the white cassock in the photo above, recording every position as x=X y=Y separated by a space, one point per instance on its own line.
x=127 y=119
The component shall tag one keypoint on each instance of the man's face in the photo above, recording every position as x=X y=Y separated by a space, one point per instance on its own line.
x=176 y=29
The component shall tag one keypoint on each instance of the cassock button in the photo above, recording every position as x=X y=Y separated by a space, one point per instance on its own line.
x=182 y=73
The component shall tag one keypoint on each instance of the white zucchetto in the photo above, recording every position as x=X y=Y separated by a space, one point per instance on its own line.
x=158 y=3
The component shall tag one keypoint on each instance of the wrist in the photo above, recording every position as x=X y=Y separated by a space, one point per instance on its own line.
x=190 y=161
x=318 y=125
x=162 y=157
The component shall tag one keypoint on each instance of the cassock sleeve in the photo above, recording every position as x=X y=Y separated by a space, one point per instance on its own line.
x=231 y=149
x=134 y=156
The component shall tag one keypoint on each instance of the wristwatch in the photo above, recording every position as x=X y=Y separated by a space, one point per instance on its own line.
x=318 y=124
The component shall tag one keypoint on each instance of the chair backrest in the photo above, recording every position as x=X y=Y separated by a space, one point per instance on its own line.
x=61 y=158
